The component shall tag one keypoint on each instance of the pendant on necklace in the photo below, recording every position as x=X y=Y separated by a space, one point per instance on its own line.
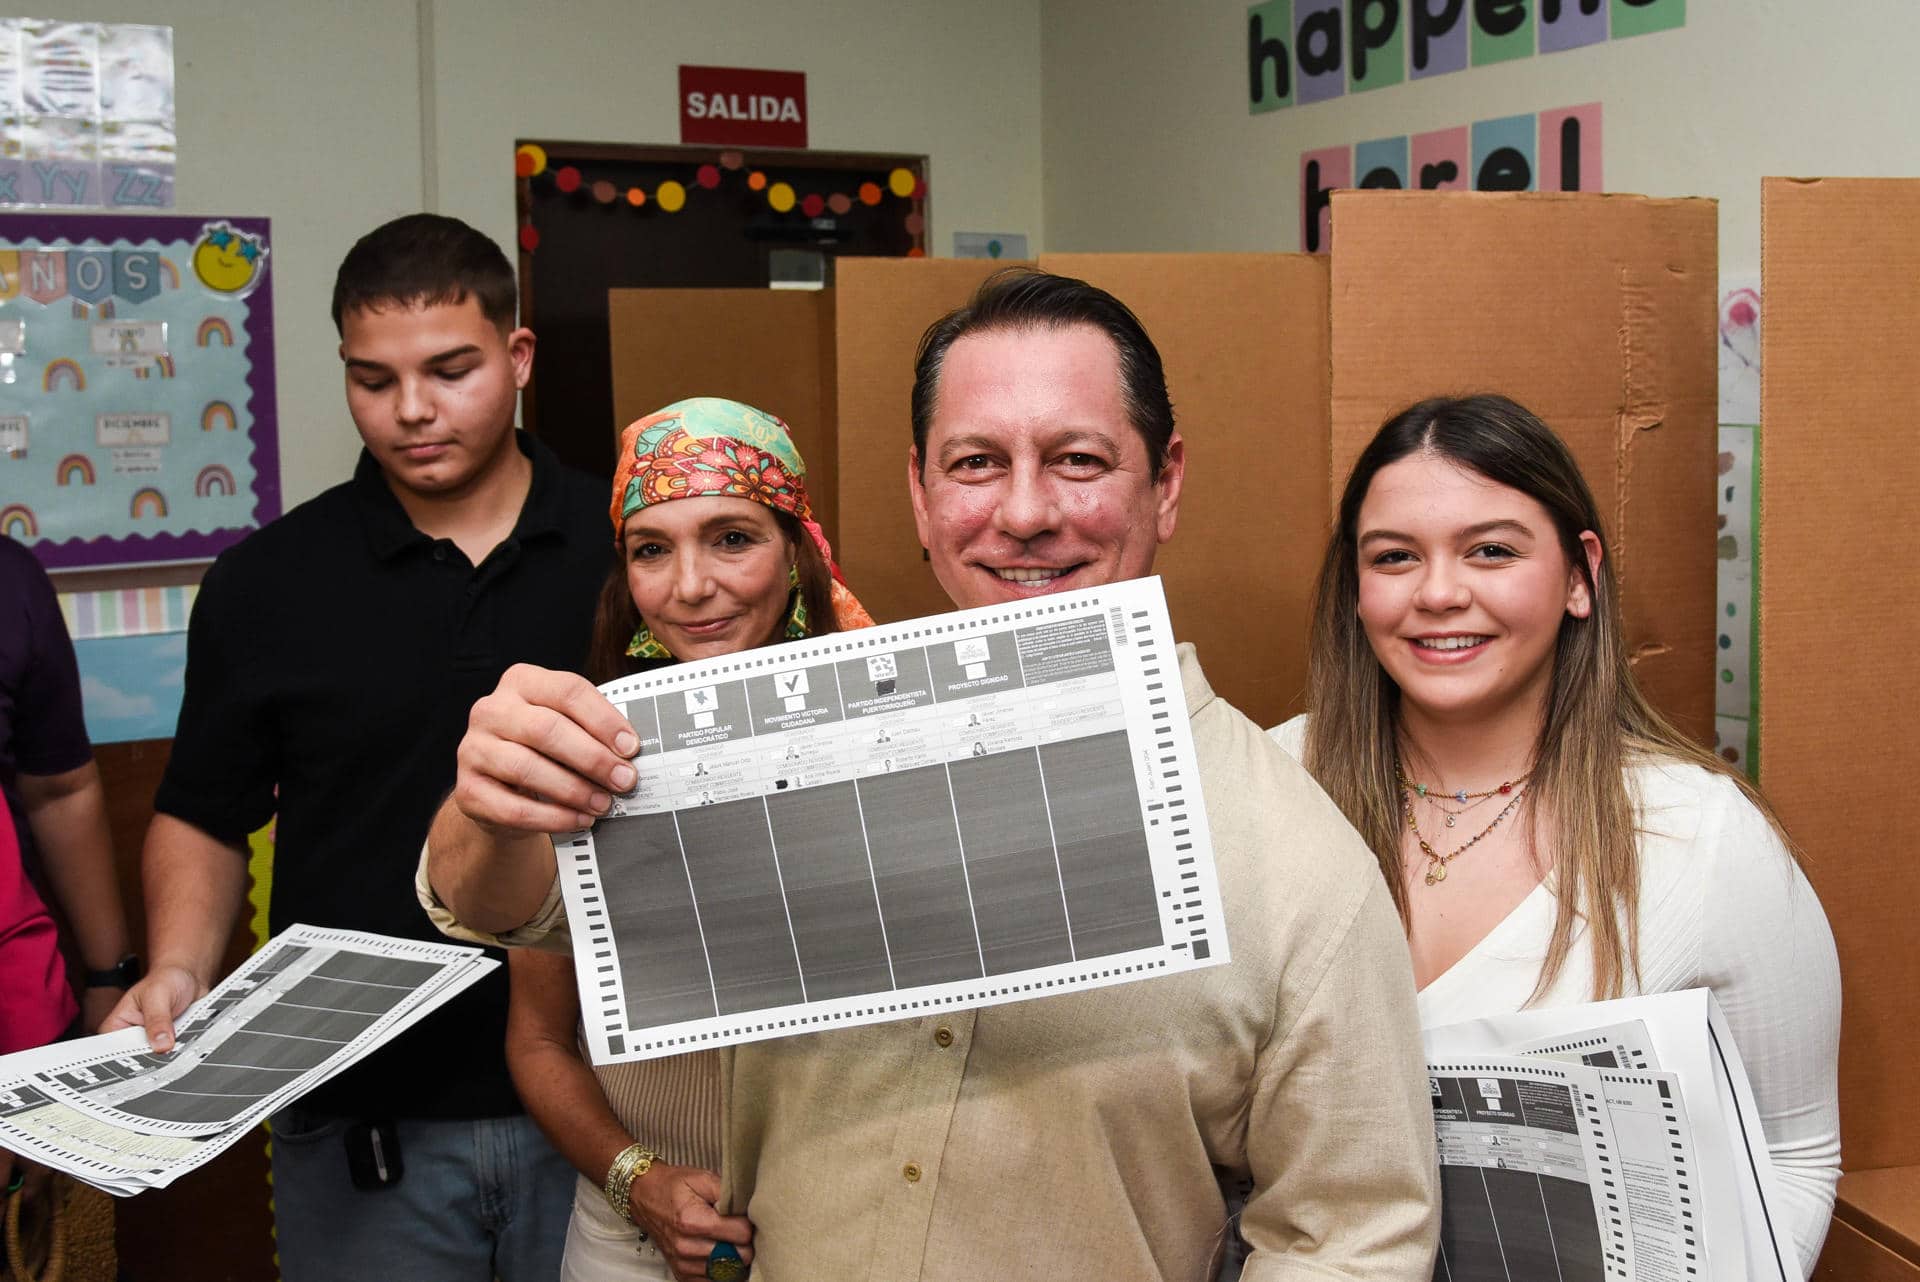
x=1437 y=873
x=1449 y=821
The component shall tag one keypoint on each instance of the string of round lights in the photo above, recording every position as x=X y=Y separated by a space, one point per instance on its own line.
x=530 y=161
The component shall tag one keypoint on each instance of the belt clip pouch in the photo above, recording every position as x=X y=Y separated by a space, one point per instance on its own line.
x=373 y=1155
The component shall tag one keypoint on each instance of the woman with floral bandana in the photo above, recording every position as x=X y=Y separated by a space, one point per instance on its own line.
x=744 y=566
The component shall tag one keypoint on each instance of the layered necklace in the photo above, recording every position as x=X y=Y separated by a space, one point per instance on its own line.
x=1512 y=789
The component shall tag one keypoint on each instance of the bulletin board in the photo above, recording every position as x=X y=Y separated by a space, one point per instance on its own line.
x=137 y=420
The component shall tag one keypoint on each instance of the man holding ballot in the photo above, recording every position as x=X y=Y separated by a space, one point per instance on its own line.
x=1084 y=1133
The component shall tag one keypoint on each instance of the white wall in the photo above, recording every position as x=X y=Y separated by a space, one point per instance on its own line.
x=314 y=115
x=330 y=118
x=960 y=83
x=1149 y=144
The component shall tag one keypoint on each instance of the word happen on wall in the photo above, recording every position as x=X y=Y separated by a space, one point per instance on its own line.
x=1556 y=150
x=1302 y=51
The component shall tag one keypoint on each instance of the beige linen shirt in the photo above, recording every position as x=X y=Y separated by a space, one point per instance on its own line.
x=1080 y=1134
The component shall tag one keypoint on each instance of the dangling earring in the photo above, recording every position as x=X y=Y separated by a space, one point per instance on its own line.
x=644 y=646
x=796 y=605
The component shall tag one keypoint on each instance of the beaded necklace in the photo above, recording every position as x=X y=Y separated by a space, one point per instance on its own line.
x=1437 y=862
x=1462 y=795
x=1452 y=815
x=1467 y=800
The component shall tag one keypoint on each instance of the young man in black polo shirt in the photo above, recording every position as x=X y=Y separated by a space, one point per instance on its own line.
x=331 y=661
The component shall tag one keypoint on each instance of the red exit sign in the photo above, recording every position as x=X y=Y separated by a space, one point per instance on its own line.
x=743 y=106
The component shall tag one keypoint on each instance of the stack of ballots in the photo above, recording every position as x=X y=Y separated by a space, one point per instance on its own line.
x=312 y=1002
x=1617 y=1140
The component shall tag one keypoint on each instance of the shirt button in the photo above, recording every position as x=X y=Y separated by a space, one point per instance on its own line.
x=912 y=1171
x=943 y=1036
x=439 y=551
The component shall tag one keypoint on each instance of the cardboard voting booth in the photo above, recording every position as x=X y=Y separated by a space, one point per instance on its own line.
x=885 y=304
x=770 y=348
x=1244 y=341
x=1839 y=604
x=1596 y=311
x=1243 y=338
x=1598 y=314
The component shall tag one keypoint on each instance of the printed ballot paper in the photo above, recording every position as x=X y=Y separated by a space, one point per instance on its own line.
x=986 y=806
x=309 y=1004
x=1617 y=1140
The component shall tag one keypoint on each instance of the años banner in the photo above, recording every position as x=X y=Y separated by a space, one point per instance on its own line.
x=136 y=387
x=1305 y=51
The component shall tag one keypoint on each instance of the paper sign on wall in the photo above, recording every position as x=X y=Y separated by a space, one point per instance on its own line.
x=743 y=106
x=86 y=114
x=138 y=385
x=990 y=244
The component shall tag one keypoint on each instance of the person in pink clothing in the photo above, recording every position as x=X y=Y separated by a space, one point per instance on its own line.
x=53 y=822
x=36 y=1004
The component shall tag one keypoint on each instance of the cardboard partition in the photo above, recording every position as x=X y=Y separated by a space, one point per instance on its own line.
x=884 y=305
x=771 y=348
x=1839 y=608
x=1243 y=338
x=1876 y=1227
x=1597 y=312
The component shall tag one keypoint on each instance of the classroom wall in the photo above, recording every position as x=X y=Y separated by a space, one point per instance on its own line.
x=331 y=118
x=1149 y=144
x=309 y=115
x=958 y=83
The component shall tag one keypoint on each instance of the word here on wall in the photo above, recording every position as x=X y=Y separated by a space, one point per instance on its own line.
x=1556 y=150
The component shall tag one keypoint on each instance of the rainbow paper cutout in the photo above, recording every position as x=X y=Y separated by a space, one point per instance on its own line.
x=64 y=366
x=147 y=501
x=74 y=465
x=16 y=522
x=213 y=479
x=211 y=328
x=164 y=363
x=171 y=272
x=217 y=413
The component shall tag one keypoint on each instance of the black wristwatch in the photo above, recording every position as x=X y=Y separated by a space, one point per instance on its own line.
x=124 y=974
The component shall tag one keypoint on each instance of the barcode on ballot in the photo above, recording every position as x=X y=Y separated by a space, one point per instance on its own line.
x=1117 y=621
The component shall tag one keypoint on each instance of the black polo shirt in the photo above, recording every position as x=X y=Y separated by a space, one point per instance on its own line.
x=331 y=661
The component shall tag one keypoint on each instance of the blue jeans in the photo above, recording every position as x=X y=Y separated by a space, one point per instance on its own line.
x=478 y=1199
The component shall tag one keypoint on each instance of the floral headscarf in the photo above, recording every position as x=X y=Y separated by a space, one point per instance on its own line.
x=709 y=447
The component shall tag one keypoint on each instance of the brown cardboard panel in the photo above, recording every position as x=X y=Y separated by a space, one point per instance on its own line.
x=1597 y=312
x=883 y=306
x=1244 y=341
x=772 y=348
x=1839 y=606
x=1852 y=1256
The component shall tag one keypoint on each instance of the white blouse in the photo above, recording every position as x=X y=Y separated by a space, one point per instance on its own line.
x=1722 y=906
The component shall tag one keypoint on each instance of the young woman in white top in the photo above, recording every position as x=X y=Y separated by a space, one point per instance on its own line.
x=1549 y=837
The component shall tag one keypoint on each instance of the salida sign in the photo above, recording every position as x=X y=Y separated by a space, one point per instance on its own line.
x=743 y=106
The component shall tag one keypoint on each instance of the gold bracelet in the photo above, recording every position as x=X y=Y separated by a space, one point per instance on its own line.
x=633 y=1161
